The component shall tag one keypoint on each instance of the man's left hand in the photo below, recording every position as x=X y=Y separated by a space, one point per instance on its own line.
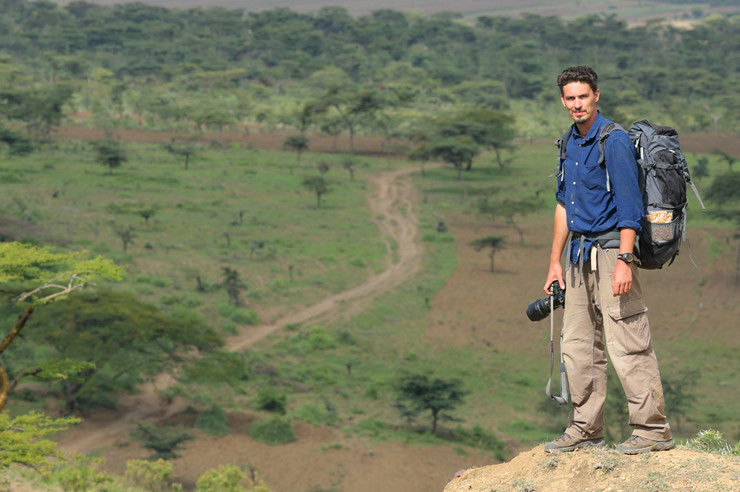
x=622 y=279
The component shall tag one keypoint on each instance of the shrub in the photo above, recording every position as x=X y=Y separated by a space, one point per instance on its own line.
x=712 y=441
x=164 y=441
x=238 y=315
x=275 y=430
x=357 y=262
x=229 y=478
x=372 y=427
x=480 y=438
x=82 y=474
x=152 y=475
x=317 y=338
x=213 y=422
x=225 y=479
x=311 y=413
x=270 y=400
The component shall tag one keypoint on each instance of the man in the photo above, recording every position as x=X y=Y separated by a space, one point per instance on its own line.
x=599 y=205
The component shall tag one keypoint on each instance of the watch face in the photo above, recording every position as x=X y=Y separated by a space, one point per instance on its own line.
x=626 y=257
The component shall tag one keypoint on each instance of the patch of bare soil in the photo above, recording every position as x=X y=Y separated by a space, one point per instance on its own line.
x=256 y=137
x=603 y=470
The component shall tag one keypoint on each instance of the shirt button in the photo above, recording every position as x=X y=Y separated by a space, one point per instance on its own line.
x=574 y=182
x=576 y=163
x=572 y=203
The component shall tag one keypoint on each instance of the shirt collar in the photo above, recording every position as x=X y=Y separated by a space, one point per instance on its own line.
x=595 y=129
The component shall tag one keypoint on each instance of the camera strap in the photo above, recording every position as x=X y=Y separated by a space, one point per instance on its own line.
x=563 y=398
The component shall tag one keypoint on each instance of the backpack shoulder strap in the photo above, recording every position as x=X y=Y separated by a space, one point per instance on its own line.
x=606 y=130
x=562 y=145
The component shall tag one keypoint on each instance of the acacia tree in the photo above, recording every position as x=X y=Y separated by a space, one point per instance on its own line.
x=494 y=243
x=420 y=153
x=52 y=275
x=18 y=143
x=457 y=150
x=182 y=148
x=730 y=160
x=127 y=235
x=418 y=393
x=147 y=213
x=318 y=185
x=457 y=138
x=348 y=163
x=40 y=108
x=509 y=210
x=352 y=106
x=110 y=153
x=497 y=133
x=122 y=337
x=298 y=144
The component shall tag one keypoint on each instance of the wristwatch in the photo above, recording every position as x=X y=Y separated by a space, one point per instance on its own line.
x=626 y=257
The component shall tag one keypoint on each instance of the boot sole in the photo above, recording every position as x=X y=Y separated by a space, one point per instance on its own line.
x=659 y=446
x=580 y=445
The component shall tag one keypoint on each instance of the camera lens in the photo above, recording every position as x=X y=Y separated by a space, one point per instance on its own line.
x=539 y=309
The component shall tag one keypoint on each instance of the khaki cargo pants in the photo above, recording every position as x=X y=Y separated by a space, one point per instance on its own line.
x=592 y=315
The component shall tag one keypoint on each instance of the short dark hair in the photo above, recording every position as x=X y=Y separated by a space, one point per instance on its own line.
x=580 y=73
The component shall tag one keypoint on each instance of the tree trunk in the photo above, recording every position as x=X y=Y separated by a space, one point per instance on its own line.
x=737 y=264
x=498 y=158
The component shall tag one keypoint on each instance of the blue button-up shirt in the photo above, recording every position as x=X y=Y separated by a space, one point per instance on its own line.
x=582 y=188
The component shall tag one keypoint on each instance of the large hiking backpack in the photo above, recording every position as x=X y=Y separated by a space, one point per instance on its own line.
x=663 y=175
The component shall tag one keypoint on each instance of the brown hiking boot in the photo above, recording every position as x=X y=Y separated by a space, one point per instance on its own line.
x=567 y=443
x=637 y=445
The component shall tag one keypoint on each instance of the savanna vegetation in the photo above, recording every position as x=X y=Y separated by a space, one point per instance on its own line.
x=215 y=238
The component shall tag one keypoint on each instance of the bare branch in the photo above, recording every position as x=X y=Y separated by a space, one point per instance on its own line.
x=63 y=290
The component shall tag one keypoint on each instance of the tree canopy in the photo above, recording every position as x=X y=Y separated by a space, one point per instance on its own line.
x=418 y=393
x=49 y=51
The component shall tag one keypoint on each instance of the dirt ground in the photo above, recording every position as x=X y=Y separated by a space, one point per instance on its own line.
x=586 y=471
x=323 y=459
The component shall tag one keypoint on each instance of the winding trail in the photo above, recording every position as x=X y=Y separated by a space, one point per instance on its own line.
x=392 y=204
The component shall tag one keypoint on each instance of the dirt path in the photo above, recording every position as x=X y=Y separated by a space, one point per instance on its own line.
x=392 y=206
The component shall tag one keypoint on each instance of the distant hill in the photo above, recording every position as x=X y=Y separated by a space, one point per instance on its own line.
x=633 y=11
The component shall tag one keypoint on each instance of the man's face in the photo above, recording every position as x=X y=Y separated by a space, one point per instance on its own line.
x=580 y=101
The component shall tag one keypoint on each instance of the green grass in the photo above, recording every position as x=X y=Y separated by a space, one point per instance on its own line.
x=196 y=229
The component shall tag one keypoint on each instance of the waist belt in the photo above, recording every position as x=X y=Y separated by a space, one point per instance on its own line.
x=607 y=240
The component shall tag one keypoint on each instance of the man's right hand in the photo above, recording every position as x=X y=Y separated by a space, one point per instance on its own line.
x=559 y=238
x=555 y=274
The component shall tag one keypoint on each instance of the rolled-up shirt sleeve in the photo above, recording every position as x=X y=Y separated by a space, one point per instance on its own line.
x=623 y=174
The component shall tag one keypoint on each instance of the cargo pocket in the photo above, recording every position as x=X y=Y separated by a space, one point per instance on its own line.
x=631 y=335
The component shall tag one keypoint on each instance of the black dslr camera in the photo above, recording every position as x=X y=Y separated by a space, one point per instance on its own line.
x=540 y=308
